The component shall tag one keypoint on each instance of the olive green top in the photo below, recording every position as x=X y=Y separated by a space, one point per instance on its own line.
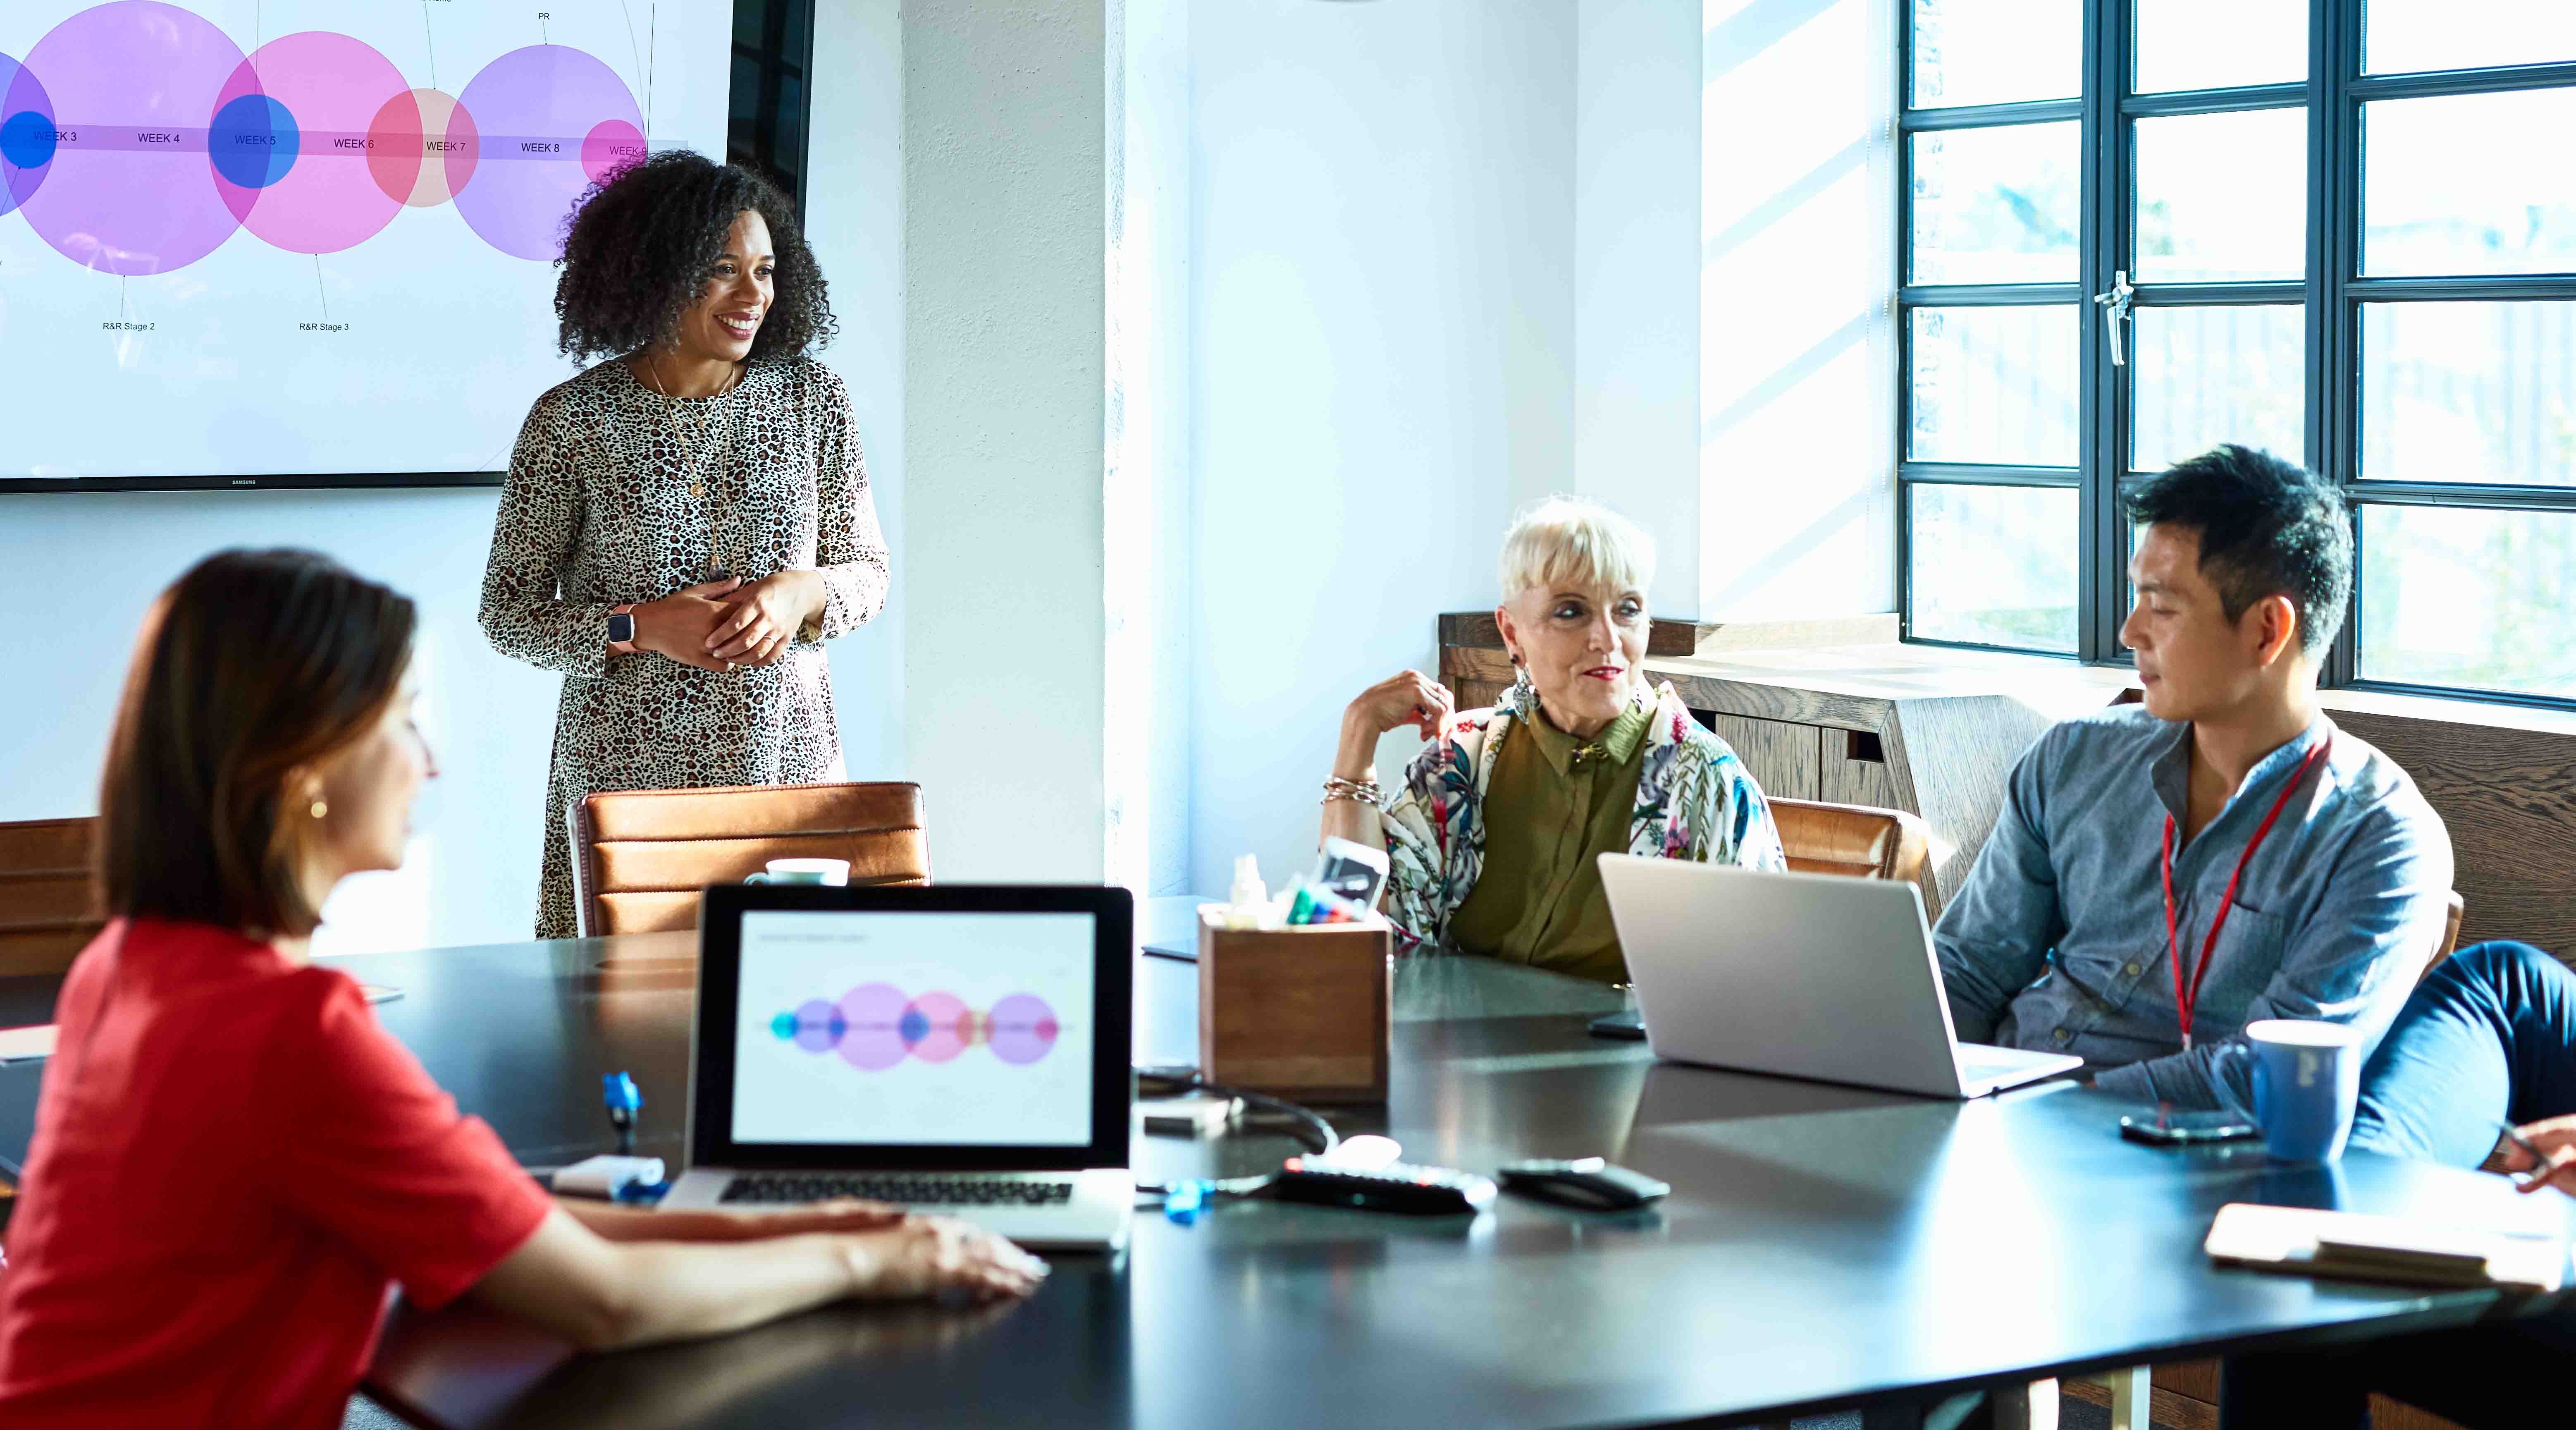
x=1556 y=804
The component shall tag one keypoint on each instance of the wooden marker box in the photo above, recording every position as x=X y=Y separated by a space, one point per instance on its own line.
x=1299 y=1013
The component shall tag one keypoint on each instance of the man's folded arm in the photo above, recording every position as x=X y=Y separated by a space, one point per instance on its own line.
x=1994 y=938
x=2352 y=961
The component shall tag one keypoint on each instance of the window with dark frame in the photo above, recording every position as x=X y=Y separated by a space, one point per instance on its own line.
x=2133 y=229
x=773 y=52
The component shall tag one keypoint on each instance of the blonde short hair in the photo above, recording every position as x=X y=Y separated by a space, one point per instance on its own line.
x=1564 y=542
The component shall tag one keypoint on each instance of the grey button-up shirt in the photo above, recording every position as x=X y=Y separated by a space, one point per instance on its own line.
x=2057 y=942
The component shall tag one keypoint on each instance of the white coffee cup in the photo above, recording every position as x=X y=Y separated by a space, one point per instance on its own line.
x=832 y=872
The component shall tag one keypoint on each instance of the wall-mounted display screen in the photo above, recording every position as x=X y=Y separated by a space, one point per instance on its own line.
x=310 y=242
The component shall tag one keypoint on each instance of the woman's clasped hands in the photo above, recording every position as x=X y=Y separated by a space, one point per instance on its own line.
x=732 y=623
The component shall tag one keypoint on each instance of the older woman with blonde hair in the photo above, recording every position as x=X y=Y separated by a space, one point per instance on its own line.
x=1493 y=836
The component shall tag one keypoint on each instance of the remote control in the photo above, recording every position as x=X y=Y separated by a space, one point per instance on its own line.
x=1395 y=1187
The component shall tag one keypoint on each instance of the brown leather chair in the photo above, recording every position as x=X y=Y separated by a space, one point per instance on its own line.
x=1851 y=839
x=47 y=913
x=641 y=856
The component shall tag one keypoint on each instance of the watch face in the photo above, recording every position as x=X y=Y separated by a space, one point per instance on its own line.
x=621 y=627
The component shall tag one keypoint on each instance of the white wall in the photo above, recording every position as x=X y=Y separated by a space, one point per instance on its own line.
x=85 y=567
x=1797 y=356
x=1149 y=491
x=1004 y=240
x=1636 y=277
x=1383 y=340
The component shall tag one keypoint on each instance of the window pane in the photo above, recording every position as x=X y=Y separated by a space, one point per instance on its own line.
x=2458 y=596
x=2469 y=392
x=1994 y=385
x=1997 y=205
x=2217 y=44
x=2404 y=35
x=2468 y=184
x=2223 y=197
x=1994 y=565
x=1996 y=51
x=2212 y=375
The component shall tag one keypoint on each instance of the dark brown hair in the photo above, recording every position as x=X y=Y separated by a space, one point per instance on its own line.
x=252 y=664
x=641 y=244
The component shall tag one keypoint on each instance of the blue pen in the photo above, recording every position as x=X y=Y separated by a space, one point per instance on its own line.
x=624 y=1101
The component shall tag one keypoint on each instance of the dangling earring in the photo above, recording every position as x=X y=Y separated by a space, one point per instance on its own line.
x=1524 y=695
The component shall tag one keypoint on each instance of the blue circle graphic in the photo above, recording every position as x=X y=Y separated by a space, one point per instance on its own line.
x=913 y=1027
x=253 y=141
x=27 y=140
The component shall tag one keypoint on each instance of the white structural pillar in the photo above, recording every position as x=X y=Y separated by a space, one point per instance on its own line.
x=1004 y=173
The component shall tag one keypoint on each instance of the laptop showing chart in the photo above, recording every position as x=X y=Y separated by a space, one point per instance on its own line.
x=961 y=1049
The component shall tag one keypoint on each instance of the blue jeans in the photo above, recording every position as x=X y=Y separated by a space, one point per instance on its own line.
x=2490 y=1036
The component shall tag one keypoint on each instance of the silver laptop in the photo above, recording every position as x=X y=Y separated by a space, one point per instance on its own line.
x=958 y=1049
x=1800 y=975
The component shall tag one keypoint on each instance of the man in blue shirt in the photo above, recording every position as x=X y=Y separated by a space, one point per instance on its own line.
x=2160 y=876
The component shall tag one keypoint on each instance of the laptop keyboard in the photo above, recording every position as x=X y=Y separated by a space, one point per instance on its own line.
x=775 y=1187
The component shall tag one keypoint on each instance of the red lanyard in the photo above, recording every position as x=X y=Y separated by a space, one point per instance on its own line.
x=2188 y=998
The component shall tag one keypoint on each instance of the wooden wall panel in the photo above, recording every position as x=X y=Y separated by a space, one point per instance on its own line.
x=2509 y=799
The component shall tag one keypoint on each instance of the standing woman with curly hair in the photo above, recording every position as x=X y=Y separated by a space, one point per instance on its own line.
x=687 y=522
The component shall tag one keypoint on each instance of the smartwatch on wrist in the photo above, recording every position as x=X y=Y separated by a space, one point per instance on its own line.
x=621 y=628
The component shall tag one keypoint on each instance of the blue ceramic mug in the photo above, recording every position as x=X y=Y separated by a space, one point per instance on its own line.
x=2307 y=1077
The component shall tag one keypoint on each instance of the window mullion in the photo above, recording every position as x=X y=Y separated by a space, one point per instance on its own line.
x=2103 y=426
x=2334 y=259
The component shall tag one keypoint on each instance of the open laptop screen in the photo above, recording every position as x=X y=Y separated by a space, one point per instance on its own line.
x=944 y=1026
x=874 y=1027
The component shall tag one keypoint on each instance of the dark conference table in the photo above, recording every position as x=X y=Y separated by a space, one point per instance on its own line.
x=1823 y=1247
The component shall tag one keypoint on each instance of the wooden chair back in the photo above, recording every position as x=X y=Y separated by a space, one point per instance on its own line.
x=2450 y=935
x=47 y=913
x=641 y=856
x=1851 y=839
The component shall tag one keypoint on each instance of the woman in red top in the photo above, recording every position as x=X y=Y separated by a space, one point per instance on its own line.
x=232 y=1161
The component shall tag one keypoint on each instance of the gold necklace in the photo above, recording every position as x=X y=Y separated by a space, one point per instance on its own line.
x=692 y=457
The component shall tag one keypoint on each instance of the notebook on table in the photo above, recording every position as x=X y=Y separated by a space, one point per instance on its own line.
x=2351 y=1246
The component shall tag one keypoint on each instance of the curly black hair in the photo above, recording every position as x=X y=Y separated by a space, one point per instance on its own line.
x=642 y=241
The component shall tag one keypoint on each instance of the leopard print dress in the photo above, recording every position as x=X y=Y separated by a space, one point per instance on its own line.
x=604 y=506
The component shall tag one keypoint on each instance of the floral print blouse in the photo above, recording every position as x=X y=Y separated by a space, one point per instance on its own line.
x=1695 y=800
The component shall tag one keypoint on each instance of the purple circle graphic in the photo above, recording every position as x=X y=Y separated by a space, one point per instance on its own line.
x=328 y=198
x=950 y=1027
x=129 y=190
x=27 y=141
x=537 y=109
x=870 y=1041
x=814 y=1019
x=1022 y=1027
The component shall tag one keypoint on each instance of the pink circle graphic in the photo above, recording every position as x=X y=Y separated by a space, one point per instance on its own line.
x=421 y=147
x=1022 y=1029
x=537 y=110
x=27 y=131
x=334 y=86
x=950 y=1030
x=611 y=147
x=873 y=1040
x=134 y=85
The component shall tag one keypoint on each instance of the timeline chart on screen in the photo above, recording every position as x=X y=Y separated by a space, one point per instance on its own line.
x=915 y=1028
x=310 y=238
